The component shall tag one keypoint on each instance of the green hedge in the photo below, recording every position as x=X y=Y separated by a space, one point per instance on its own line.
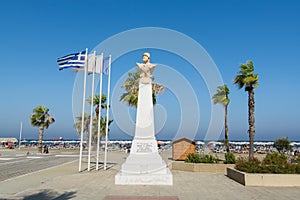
x=197 y=158
x=273 y=163
x=230 y=158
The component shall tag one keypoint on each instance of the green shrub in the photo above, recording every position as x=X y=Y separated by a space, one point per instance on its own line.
x=230 y=158
x=248 y=165
x=277 y=163
x=197 y=158
x=275 y=159
x=193 y=158
x=273 y=163
x=209 y=159
x=298 y=168
x=282 y=144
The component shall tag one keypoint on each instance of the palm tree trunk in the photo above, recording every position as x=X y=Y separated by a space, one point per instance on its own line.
x=226 y=129
x=40 y=142
x=251 y=121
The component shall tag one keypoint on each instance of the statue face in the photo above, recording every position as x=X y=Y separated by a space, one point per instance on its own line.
x=145 y=59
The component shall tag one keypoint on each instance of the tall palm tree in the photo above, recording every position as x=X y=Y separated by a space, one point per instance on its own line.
x=131 y=86
x=86 y=129
x=221 y=97
x=41 y=118
x=86 y=124
x=102 y=128
x=97 y=103
x=246 y=78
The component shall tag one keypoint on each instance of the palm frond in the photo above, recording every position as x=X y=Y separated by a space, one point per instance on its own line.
x=41 y=116
x=221 y=96
x=246 y=77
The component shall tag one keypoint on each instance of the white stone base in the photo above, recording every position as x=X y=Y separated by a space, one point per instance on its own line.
x=144 y=169
x=144 y=179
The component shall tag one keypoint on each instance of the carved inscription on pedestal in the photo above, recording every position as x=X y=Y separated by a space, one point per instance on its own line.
x=143 y=147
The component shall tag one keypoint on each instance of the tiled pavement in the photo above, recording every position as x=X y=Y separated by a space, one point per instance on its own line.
x=64 y=182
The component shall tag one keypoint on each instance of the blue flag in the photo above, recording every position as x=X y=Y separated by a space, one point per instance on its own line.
x=106 y=64
x=75 y=60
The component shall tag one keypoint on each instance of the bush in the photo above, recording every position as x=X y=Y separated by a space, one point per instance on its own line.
x=209 y=159
x=248 y=165
x=193 y=158
x=273 y=163
x=230 y=158
x=298 y=168
x=275 y=159
x=282 y=144
x=197 y=158
x=277 y=163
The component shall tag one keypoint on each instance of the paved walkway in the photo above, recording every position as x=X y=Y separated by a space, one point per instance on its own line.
x=15 y=166
x=64 y=182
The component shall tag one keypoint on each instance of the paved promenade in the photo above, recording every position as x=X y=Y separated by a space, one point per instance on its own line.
x=65 y=182
x=16 y=166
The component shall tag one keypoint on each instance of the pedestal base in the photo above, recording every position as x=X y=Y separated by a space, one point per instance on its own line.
x=144 y=179
x=144 y=166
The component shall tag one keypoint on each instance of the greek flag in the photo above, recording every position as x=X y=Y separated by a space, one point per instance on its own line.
x=75 y=60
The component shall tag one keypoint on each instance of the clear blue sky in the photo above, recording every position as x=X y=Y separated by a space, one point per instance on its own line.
x=35 y=33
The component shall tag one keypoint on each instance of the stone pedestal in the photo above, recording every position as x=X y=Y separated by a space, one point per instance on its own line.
x=144 y=165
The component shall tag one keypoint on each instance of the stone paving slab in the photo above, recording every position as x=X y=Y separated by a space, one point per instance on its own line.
x=65 y=182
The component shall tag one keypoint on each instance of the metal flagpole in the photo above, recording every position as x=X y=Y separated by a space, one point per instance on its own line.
x=107 y=113
x=20 y=136
x=82 y=115
x=99 y=113
x=91 y=115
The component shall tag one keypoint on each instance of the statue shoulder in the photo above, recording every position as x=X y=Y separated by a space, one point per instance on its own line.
x=153 y=65
x=139 y=64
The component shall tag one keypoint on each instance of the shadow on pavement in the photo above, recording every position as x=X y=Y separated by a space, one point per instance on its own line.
x=101 y=166
x=51 y=195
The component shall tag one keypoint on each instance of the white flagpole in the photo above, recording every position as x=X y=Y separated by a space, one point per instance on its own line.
x=91 y=115
x=20 y=136
x=82 y=115
x=99 y=114
x=107 y=113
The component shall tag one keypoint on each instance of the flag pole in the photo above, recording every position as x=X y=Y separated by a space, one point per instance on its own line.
x=91 y=114
x=20 y=136
x=82 y=115
x=107 y=113
x=99 y=114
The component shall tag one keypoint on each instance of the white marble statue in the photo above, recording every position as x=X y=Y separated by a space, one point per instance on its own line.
x=144 y=165
x=146 y=68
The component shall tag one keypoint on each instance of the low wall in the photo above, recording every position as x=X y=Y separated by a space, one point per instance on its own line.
x=271 y=180
x=200 y=167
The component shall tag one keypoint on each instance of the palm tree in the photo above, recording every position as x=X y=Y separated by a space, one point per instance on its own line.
x=86 y=129
x=131 y=86
x=246 y=78
x=41 y=119
x=96 y=102
x=221 y=97
x=86 y=124
x=102 y=128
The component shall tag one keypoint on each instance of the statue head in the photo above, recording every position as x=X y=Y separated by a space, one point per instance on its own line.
x=146 y=57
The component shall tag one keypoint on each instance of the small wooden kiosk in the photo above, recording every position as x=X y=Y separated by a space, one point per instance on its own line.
x=182 y=147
